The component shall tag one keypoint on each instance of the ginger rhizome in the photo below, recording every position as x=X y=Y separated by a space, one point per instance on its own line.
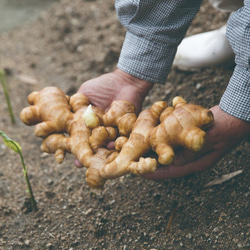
x=72 y=124
x=181 y=125
x=51 y=111
x=55 y=115
x=130 y=159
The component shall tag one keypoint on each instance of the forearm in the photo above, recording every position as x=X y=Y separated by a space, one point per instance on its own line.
x=154 y=30
x=236 y=99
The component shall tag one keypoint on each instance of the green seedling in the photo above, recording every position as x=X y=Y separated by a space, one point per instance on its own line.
x=6 y=94
x=17 y=148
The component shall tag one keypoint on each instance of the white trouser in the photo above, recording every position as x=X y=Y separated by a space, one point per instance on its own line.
x=227 y=5
x=210 y=48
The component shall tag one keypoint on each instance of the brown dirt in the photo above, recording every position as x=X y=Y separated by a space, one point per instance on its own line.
x=72 y=42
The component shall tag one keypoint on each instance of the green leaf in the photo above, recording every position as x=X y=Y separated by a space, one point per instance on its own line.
x=13 y=145
x=10 y=143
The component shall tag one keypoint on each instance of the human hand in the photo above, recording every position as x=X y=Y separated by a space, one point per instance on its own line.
x=118 y=85
x=226 y=133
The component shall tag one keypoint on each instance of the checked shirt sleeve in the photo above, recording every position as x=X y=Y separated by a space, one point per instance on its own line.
x=236 y=99
x=154 y=30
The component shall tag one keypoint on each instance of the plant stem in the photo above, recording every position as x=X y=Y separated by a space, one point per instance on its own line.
x=5 y=90
x=17 y=148
x=25 y=172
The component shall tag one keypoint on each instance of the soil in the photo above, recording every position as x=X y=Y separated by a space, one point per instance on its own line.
x=67 y=45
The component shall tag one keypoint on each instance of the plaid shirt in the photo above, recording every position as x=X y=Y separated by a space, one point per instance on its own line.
x=154 y=30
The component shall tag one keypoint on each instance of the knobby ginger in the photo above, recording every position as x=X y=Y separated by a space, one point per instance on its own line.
x=90 y=118
x=72 y=124
x=130 y=158
x=181 y=125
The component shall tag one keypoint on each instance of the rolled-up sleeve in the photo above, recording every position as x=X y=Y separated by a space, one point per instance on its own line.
x=154 y=30
x=236 y=99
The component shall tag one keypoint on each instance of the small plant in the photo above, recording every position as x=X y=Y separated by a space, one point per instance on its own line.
x=17 y=148
x=6 y=94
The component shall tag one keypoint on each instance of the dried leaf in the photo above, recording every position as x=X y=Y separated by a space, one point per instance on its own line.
x=27 y=79
x=223 y=178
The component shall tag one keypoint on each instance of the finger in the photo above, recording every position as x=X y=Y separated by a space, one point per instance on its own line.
x=111 y=145
x=183 y=156
x=174 y=171
x=78 y=164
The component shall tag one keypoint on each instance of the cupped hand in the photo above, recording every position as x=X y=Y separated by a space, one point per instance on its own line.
x=226 y=133
x=118 y=85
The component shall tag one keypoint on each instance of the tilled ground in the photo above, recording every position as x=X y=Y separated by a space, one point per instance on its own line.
x=71 y=43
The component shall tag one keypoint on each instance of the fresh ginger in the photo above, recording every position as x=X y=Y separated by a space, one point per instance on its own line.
x=130 y=159
x=181 y=125
x=90 y=118
x=121 y=115
x=101 y=136
x=55 y=114
x=51 y=111
x=70 y=124
x=43 y=113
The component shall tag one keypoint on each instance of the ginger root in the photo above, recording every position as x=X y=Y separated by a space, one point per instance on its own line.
x=55 y=115
x=51 y=110
x=90 y=118
x=70 y=124
x=130 y=159
x=181 y=125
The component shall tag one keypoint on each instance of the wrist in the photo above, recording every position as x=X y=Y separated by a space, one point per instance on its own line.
x=142 y=86
x=241 y=127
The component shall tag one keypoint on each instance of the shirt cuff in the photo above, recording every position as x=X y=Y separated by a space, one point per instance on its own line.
x=236 y=99
x=146 y=59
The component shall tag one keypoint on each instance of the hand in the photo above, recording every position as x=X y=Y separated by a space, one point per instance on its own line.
x=226 y=133
x=117 y=85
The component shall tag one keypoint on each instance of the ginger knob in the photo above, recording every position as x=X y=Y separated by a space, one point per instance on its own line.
x=181 y=125
x=90 y=118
